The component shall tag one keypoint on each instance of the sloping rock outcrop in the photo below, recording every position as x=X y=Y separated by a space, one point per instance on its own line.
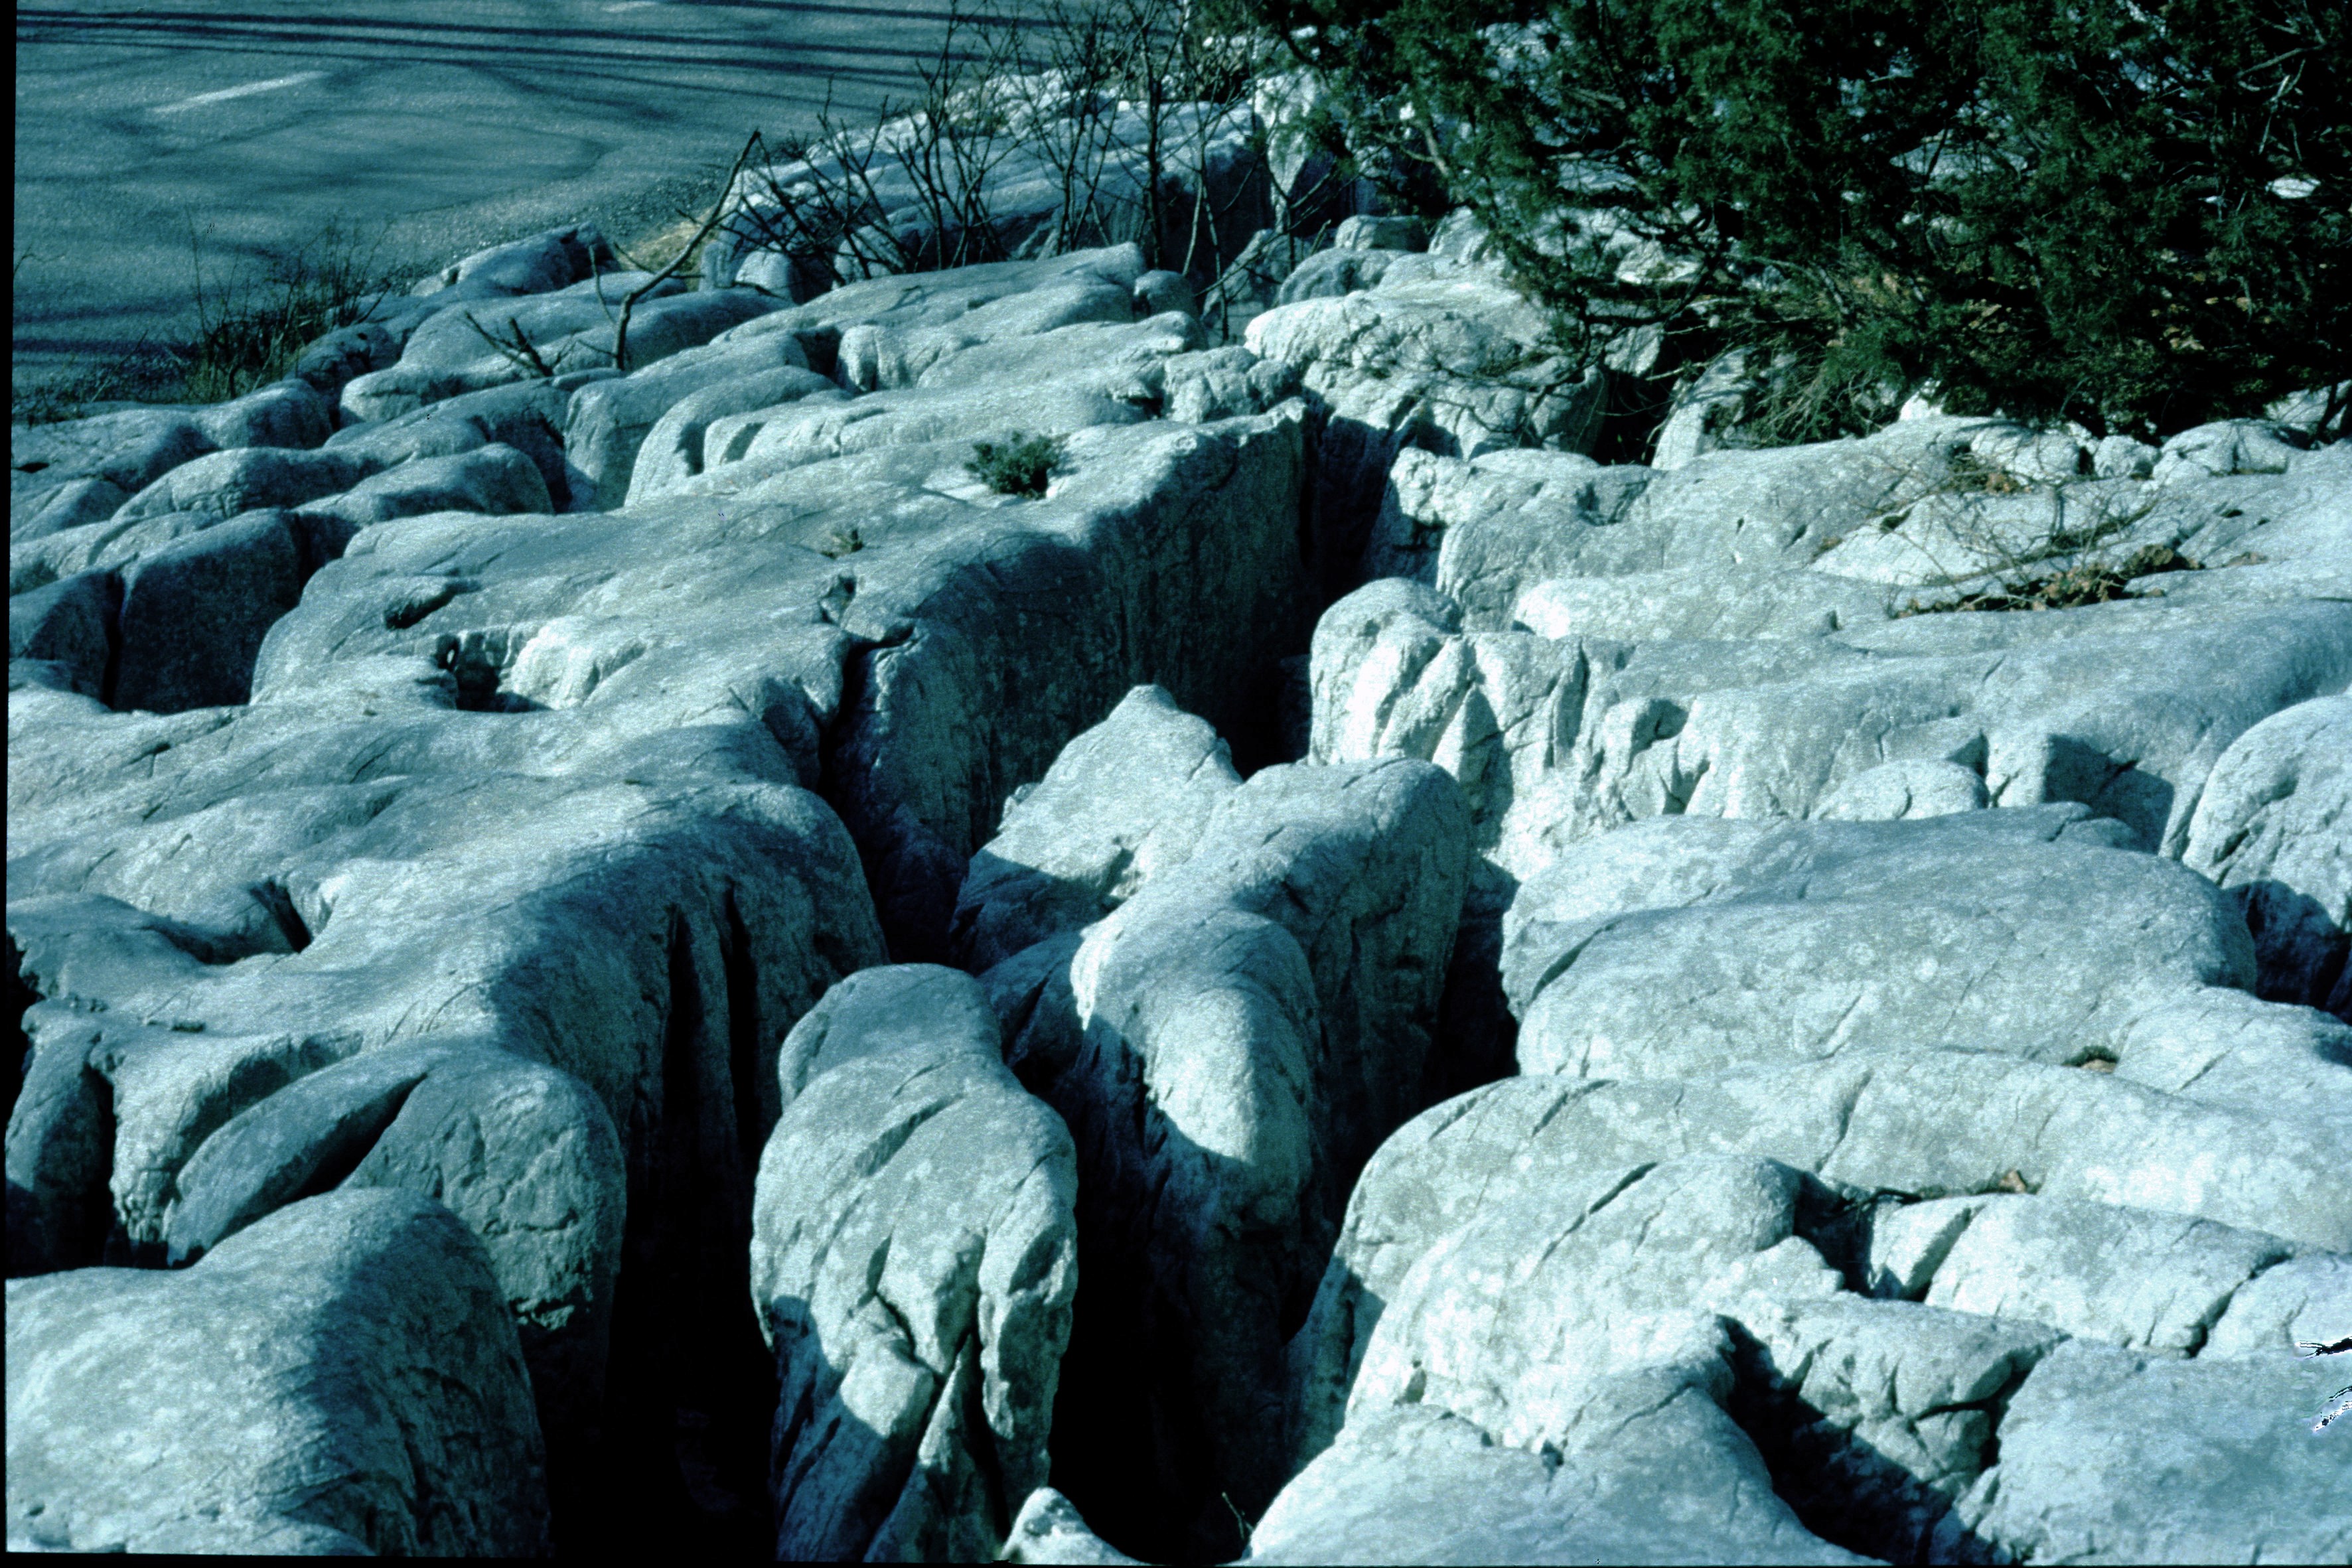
x=340 y=1379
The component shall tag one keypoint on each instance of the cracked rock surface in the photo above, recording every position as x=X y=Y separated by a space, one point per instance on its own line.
x=635 y=957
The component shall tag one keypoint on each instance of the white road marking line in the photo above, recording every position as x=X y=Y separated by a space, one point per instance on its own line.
x=247 y=91
x=630 y=5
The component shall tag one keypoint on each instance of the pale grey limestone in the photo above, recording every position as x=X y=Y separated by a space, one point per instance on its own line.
x=1125 y=802
x=913 y=1260
x=2274 y=826
x=341 y=1379
x=1227 y=1046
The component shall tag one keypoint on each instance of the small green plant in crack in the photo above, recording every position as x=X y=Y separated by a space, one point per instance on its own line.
x=1019 y=465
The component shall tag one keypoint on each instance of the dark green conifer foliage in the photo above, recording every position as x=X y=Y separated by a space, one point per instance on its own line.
x=2129 y=213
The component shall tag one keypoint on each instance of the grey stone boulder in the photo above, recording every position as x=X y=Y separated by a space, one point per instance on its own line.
x=520 y=1152
x=289 y=413
x=688 y=433
x=69 y=505
x=341 y=1379
x=248 y=478
x=1905 y=791
x=913 y=1261
x=879 y=355
x=1331 y=274
x=608 y=419
x=1120 y=360
x=1158 y=293
x=1440 y=361
x=737 y=901
x=2298 y=1302
x=2272 y=827
x=1125 y=802
x=1527 y=498
x=913 y=302
x=894 y=1006
x=1418 y=1484
x=1698 y=604
x=2111 y=1457
x=1369 y=231
x=526 y=415
x=195 y=613
x=1223 y=383
x=1563 y=1307
x=1540 y=1265
x=2091 y=705
x=70 y=629
x=539 y=263
x=1049 y=1528
x=494 y=478
x=569 y=331
x=1227 y=1046
x=1975 y=933
x=816 y=431
x=1923 y=1124
x=2142 y=1280
x=2228 y=446
x=128 y=449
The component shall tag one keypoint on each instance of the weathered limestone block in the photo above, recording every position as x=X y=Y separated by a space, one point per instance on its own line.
x=569 y=331
x=687 y=436
x=1923 y=1123
x=2123 y=706
x=1550 y=1268
x=341 y=1378
x=1227 y=1046
x=195 y=613
x=1417 y=1484
x=2142 y=1280
x=2274 y=826
x=1999 y=932
x=62 y=476
x=608 y=421
x=1441 y=360
x=913 y=1257
x=1125 y=802
x=1225 y=383
x=884 y=310
x=494 y=478
x=2112 y=1456
x=526 y=415
x=246 y=478
x=70 y=626
x=1049 y=1528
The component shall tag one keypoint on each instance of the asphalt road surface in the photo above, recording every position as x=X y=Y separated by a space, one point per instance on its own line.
x=158 y=145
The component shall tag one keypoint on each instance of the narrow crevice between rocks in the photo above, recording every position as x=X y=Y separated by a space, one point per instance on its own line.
x=21 y=997
x=679 y=1462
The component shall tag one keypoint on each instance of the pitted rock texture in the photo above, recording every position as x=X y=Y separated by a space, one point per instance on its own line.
x=1630 y=695
x=1542 y=1259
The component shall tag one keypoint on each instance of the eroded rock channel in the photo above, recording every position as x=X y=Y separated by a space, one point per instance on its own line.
x=632 y=959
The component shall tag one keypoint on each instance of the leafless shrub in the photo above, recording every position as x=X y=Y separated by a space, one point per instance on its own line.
x=1106 y=120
